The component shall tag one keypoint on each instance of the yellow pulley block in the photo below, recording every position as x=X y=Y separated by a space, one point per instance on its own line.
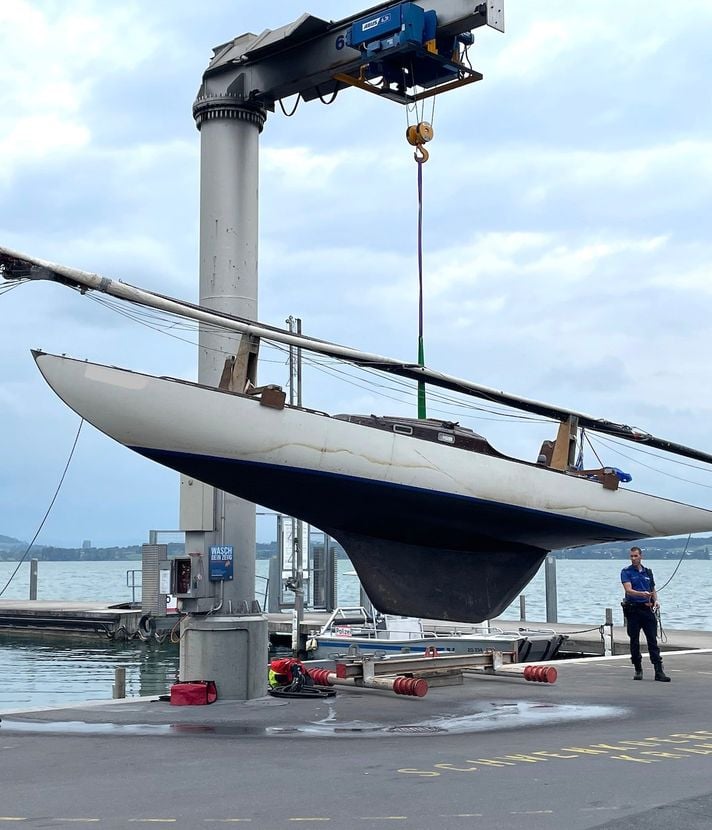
x=418 y=135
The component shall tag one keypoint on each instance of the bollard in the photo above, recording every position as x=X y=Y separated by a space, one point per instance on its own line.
x=522 y=608
x=608 y=634
x=119 y=687
x=552 y=612
x=33 y=579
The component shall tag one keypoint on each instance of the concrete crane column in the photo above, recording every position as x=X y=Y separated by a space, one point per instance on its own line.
x=225 y=647
x=229 y=173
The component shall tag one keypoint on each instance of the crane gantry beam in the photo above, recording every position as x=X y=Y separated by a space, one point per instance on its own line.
x=306 y=56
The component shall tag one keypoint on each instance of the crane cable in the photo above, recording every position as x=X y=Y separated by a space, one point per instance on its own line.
x=417 y=136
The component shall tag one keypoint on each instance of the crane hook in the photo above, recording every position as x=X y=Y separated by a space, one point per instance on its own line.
x=418 y=135
x=421 y=155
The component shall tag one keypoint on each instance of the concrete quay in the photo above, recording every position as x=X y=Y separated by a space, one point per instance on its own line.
x=594 y=750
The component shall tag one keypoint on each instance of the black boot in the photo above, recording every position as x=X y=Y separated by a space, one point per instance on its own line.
x=660 y=674
x=638 y=671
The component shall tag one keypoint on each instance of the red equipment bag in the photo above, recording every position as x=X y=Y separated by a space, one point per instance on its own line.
x=193 y=693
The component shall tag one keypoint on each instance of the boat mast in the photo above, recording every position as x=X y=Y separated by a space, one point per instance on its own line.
x=17 y=266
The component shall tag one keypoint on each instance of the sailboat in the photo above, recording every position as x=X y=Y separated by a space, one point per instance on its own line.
x=436 y=521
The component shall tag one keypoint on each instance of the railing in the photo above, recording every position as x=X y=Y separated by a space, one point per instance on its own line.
x=265 y=593
x=133 y=584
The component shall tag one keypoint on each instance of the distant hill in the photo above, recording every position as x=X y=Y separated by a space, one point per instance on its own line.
x=12 y=549
x=652 y=549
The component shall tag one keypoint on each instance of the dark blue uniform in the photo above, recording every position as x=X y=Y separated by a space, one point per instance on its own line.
x=639 y=615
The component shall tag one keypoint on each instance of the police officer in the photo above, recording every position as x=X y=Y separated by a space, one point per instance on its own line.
x=639 y=606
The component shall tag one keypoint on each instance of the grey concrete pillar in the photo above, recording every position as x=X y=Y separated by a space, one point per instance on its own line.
x=229 y=172
x=232 y=651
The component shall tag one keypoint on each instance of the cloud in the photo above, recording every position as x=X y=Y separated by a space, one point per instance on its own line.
x=43 y=100
x=566 y=206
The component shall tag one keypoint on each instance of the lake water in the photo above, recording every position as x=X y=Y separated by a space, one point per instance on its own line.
x=48 y=671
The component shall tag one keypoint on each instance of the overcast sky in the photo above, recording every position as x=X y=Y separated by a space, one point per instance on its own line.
x=567 y=230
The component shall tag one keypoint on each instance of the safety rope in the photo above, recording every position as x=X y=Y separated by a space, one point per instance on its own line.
x=51 y=504
x=679 y=562
x=662 y=636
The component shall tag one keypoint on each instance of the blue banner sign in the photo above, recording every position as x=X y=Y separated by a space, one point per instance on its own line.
x=221 y=562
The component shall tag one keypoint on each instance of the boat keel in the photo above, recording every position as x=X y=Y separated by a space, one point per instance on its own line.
x=439 y=583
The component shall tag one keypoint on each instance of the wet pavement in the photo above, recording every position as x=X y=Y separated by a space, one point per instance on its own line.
x=596 y=749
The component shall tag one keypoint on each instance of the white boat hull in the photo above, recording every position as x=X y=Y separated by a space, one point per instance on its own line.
x=526 y=648
x=432 y=530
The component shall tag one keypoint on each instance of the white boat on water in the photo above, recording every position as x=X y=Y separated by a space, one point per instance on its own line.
x=352 y=631
x=436 y=522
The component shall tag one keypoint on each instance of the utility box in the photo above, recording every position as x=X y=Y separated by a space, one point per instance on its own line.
x=197 y=505
x=189 y=576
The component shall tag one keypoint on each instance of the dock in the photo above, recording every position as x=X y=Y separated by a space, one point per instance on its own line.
x=122 y=620
x=66 y=617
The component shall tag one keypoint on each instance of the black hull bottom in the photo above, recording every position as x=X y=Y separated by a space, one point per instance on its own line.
x=442 y=584
x=416 y=552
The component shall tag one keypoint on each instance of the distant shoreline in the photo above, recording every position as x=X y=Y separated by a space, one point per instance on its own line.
x=12 y=550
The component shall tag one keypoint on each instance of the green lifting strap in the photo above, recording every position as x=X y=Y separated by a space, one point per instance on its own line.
x=421 y=350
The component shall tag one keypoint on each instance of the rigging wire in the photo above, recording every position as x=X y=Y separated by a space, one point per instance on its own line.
x=584 y=434
x=51 y=504
x=407 y=388
x=161 y=322
x=5 y=289
x=657 y=469
x=609 y=440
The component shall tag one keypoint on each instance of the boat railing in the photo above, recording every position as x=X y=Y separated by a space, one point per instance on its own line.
x=347 y=615
x=356 y=621
x=433 y=629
